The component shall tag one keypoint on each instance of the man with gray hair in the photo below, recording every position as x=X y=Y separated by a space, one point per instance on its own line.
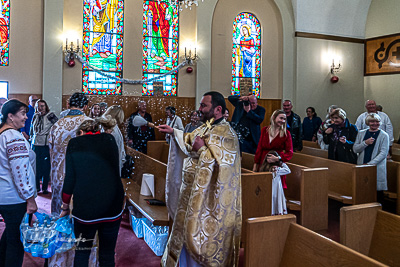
x=386 y=124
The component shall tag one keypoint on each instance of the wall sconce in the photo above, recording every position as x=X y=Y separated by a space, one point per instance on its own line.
x=334 y=70
x=70 y=51
x=189 y=57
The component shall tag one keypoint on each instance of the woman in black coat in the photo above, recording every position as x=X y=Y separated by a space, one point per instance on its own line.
x=92 y=178
x=341 y=136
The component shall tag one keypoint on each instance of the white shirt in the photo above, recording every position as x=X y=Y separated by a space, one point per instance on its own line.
x=386 y=124
x=17 y=168
x=176 y=123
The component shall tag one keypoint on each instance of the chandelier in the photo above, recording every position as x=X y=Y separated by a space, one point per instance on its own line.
x=185 y=3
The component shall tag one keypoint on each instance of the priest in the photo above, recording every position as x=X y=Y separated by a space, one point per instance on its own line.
x=207 y=210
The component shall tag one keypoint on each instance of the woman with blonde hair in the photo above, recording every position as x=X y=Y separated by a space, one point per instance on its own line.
x=109 y=121
x=373 y=146
x=274 y=137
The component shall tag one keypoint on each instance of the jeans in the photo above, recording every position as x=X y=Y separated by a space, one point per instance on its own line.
x=42 y=166
x=108 y=234
x=11 y=248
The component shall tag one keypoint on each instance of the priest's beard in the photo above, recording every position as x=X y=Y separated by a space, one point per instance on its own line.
x=207 y=116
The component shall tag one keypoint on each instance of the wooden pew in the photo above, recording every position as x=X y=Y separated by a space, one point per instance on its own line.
x=310 y=144
x=348 y=183
x=278 y=241
x=158 y=215
x=256 y=187
x=371 y=231
x=393 y=174
x=307 y=192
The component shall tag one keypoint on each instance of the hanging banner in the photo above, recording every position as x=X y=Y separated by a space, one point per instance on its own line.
x=382 y=55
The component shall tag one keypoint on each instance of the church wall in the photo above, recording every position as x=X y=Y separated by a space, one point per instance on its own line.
x=314 y=57
x=271 y=45
x=132 y=53
x=383 y=19
x=24 y=72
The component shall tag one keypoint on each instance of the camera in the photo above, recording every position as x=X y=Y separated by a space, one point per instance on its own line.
x=246 y=103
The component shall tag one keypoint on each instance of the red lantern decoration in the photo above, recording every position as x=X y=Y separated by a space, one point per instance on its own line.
x=71 y=62
x=334 y=79
x=189 y=69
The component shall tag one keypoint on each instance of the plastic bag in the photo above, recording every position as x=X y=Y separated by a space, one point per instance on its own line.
x=47 y=236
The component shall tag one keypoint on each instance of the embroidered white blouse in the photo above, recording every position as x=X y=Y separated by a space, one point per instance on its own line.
x=17 y=168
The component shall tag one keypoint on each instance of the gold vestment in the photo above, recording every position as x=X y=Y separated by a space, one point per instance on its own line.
x=208 y=218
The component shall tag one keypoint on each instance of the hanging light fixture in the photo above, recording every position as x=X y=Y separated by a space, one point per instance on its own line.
x=185 y=3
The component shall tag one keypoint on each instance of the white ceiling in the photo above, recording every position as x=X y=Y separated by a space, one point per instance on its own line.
x=333 y=17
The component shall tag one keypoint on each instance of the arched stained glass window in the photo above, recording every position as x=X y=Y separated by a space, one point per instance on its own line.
x=4 y=31
x=246 y=55
x=160 y=46
x=103 y=27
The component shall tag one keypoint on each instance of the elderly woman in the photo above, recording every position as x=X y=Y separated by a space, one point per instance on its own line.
x=194 y=122
x=17 y=181
x=373 y=146
x=340 y=137
x=42 y=121
x=98 y=192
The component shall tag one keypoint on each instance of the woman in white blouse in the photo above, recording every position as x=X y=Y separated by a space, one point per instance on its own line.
x=17 y=181
x=373 y=146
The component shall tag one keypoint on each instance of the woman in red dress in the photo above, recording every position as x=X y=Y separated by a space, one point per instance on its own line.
x=274 y=137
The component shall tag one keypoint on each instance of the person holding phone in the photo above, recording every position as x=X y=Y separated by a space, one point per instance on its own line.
x=340 y=137
x=373 y=146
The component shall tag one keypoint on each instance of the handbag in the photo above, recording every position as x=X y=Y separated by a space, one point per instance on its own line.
x=47 y=236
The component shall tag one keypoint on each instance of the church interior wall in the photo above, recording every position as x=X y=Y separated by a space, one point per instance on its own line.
x=383 y=19
x=271 y=45
x=314 y=88
x=25 y=71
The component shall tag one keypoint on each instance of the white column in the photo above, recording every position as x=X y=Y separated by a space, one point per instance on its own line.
x=205 y=12
x=52 y=54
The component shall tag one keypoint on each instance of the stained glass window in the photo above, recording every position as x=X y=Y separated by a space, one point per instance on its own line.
x=246 y=55
x=103 y=27
x=160 y=46
x=4 y=31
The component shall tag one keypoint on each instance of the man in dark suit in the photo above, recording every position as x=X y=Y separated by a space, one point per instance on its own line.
x=248 y=116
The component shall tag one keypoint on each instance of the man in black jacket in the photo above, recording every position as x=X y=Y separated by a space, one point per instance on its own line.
x=138 y=136
x=293 y=125
x=248 y=115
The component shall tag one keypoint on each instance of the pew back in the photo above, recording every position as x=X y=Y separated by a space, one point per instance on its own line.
x=371 y=231
x=143 y=163
x=349 y=183
x=310 y=144
x=310 y=186
x=315 y=152
x=357 y=224
x=158 y=150
x=393 y=182
x=278 y=241
x=256 y=197
x=306 y=248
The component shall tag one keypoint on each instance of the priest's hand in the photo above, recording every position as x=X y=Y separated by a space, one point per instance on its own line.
x=165 y=129
x=64 y=213
x=197 y=144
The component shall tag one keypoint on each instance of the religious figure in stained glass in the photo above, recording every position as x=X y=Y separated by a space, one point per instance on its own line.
x=102 y=45
x=246 y=54
x=160 y=45
x=4 y=31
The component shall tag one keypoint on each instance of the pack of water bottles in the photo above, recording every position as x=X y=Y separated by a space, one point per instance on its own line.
x=48 y=235
x=155 y=236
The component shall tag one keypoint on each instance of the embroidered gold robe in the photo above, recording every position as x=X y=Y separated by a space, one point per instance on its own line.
x=208 y=217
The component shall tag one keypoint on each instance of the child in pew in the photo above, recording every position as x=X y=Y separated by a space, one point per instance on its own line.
x=277 y=168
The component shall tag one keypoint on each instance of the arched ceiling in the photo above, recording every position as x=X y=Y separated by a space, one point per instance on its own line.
x=333 y=17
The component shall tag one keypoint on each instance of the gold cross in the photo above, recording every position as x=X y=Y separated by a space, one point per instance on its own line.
x=208 y=127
